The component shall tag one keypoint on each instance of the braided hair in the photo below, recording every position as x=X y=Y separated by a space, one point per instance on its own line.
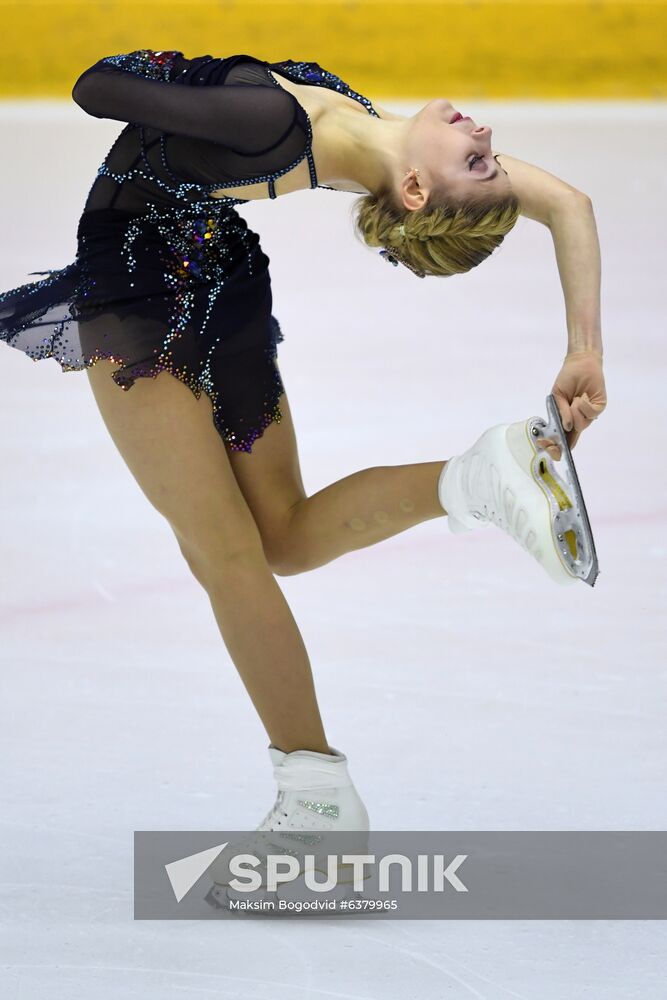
x=446 y=237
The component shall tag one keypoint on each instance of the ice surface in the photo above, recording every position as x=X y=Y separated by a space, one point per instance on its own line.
x=467 y=690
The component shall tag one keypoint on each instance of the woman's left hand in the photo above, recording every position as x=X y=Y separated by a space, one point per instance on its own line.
x=580 y=392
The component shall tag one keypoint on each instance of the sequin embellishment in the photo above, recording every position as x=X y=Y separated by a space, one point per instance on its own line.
x=312 y=73
x=194 y=253
x=323 y=808
x=145 y=62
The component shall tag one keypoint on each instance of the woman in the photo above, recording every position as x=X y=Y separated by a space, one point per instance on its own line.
x=169 y=281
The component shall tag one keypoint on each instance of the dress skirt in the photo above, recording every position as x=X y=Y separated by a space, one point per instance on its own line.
x=182 y=289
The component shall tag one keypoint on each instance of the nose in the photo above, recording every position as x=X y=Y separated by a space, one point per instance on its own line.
x=482 y=135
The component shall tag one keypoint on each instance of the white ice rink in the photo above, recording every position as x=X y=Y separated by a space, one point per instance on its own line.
x=467 y=690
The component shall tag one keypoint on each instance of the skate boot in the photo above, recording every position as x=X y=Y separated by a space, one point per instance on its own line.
x=508 y=479
x=315 y=796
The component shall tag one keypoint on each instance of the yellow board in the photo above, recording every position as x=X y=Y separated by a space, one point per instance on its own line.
x=455 y=48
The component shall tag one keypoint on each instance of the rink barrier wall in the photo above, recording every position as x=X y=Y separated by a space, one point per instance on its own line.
x=453 y=48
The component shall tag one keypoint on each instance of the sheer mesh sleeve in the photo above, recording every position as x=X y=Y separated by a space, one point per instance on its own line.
x=244 y=118
x=193 y=122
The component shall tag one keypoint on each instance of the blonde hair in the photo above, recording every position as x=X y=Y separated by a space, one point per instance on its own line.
x=445 y=238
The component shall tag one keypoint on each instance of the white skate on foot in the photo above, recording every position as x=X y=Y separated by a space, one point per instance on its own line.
x=315 y=796
x=508 y=479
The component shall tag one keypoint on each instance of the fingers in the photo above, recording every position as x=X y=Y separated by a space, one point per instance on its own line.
x=583 y=414
x=564 y=409
x=587 y=409
x=551 y=447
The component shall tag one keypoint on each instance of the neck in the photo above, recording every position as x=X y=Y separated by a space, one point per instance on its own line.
x=362 y=151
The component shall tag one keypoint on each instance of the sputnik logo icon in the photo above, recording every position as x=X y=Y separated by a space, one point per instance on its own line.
x=184 y=872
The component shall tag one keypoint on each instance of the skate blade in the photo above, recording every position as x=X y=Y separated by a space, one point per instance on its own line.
x=571 y=528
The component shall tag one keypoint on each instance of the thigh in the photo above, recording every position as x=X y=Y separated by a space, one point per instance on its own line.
x=167 y=438
x=270 y=475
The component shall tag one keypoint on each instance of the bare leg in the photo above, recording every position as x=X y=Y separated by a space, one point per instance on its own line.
x=360 y=510
x=265 y=643
x=302 y=532
x=168 y=441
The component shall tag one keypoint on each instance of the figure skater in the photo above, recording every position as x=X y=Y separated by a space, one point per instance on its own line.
x=170 y=281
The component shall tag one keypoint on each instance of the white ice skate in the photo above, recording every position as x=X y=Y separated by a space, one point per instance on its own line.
x=508 y=479
x=315 y=796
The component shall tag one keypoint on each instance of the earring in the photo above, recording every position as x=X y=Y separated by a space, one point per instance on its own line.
x=410 y=171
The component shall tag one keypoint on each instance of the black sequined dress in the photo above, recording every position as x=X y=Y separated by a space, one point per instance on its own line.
x=167 y=277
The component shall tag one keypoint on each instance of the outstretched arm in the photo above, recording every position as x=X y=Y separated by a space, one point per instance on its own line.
x=579 y=387
x=568 y=214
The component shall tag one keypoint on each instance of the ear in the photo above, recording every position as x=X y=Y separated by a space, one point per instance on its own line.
x=413 y=194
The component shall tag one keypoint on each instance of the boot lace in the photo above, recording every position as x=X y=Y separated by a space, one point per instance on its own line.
x=275 y=816
x=491 y=501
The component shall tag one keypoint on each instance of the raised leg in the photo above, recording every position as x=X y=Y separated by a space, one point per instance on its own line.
x=361 y=510
x=301 y=532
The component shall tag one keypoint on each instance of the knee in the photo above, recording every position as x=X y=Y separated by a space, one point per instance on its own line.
x=285 y=554
x=286 y=567
x=212 y=564
x=285 y=559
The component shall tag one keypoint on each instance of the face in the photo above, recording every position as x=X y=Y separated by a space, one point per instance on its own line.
x=452 y=151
